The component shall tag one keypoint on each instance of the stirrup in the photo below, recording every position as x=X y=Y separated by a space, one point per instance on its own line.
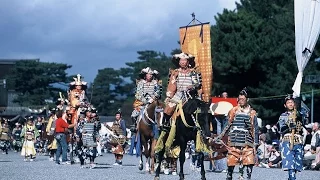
x=165 y=128
x=133 y=129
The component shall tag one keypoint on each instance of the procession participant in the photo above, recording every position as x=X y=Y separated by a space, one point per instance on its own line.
x=88 y=145
x=50 y=129
x=148 y=90
x=4 y=137
x=61 y=104
x=291 y=125
x=30 y=134
x=118 y=138
x=183 y=81
x=17 y=142
x=60 y=136
x=95 y=118
x=243 y=132
x=87 y=115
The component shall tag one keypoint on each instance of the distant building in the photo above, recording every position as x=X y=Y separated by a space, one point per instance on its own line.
x=8 y=108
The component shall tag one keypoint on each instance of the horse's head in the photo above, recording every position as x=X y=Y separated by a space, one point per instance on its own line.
x=154 y=110
x=203 y=117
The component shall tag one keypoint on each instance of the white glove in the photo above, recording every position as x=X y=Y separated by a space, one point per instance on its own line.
x=150 y=101
x=122 y=136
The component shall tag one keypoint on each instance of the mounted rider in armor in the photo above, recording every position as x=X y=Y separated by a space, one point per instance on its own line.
x=148 y=89
x=184 y=81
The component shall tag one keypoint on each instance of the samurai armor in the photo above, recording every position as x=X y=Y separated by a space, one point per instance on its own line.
x=116 y=140
x=244 y=156
x=4 y=134
x=117 y=150
x=241 y=131
x=88 y=137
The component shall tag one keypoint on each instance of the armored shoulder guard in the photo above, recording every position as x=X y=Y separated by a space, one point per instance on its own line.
x=196 y=78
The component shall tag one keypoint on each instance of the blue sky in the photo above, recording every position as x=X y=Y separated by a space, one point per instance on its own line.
x=94 y=34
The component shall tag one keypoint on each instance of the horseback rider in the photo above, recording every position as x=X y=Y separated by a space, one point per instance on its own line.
x=184 y=81
x=148 y=90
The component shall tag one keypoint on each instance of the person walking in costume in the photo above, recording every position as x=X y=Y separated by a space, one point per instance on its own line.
x=118 y=138
x=30 y=134
x=148 y=90
x=4 y=136
x=16 y=136
x=243 y=131
x=51 y=126
x=89 y=134
x=292 y=141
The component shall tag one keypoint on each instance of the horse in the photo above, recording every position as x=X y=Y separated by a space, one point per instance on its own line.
x=148 y=119
x=187 y=131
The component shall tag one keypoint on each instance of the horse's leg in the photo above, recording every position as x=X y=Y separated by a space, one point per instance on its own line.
x=201 y=159
x=141 y=163
x=182 y=158
x=153 y=145
x=147 y=155
x=143 y=150
x=158 y=158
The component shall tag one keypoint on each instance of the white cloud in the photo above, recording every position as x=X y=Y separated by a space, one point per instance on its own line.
x=74 y=31
x=122 y=23
x=228 y=4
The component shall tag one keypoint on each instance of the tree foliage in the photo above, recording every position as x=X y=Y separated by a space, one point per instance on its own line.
x=34 y=80
x=253 y=47
x=114 y=89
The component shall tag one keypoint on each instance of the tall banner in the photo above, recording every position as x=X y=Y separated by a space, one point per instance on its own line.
x=195 y=40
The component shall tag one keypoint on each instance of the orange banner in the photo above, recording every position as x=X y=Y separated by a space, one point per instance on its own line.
x=195 y=40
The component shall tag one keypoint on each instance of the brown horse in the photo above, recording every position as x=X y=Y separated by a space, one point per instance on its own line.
x=149 y=121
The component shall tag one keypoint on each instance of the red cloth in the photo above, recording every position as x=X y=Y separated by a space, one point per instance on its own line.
x=61 y=125
x=233 y=101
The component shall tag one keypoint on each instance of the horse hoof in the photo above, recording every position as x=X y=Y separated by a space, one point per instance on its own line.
x=181 y=176
x=157 y=178
x=140 y=167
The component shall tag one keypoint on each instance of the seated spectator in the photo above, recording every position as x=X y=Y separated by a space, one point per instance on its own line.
x=262 y=151
x=274 y=159
x=315 y=146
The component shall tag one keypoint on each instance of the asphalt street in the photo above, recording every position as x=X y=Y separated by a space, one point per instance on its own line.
x=13 y=167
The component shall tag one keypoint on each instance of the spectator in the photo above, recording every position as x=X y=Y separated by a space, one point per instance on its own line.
x=308 y=137
x=61 y=129
x=274 y=159
x=269 y=135
x=224 y=95
x=315 y=145
x=262 y=151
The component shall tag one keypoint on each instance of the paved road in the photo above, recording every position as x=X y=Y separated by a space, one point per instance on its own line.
x=13 y=167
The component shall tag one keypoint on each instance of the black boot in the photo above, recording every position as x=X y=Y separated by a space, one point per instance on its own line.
x=166 y=123
x=230 y=172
